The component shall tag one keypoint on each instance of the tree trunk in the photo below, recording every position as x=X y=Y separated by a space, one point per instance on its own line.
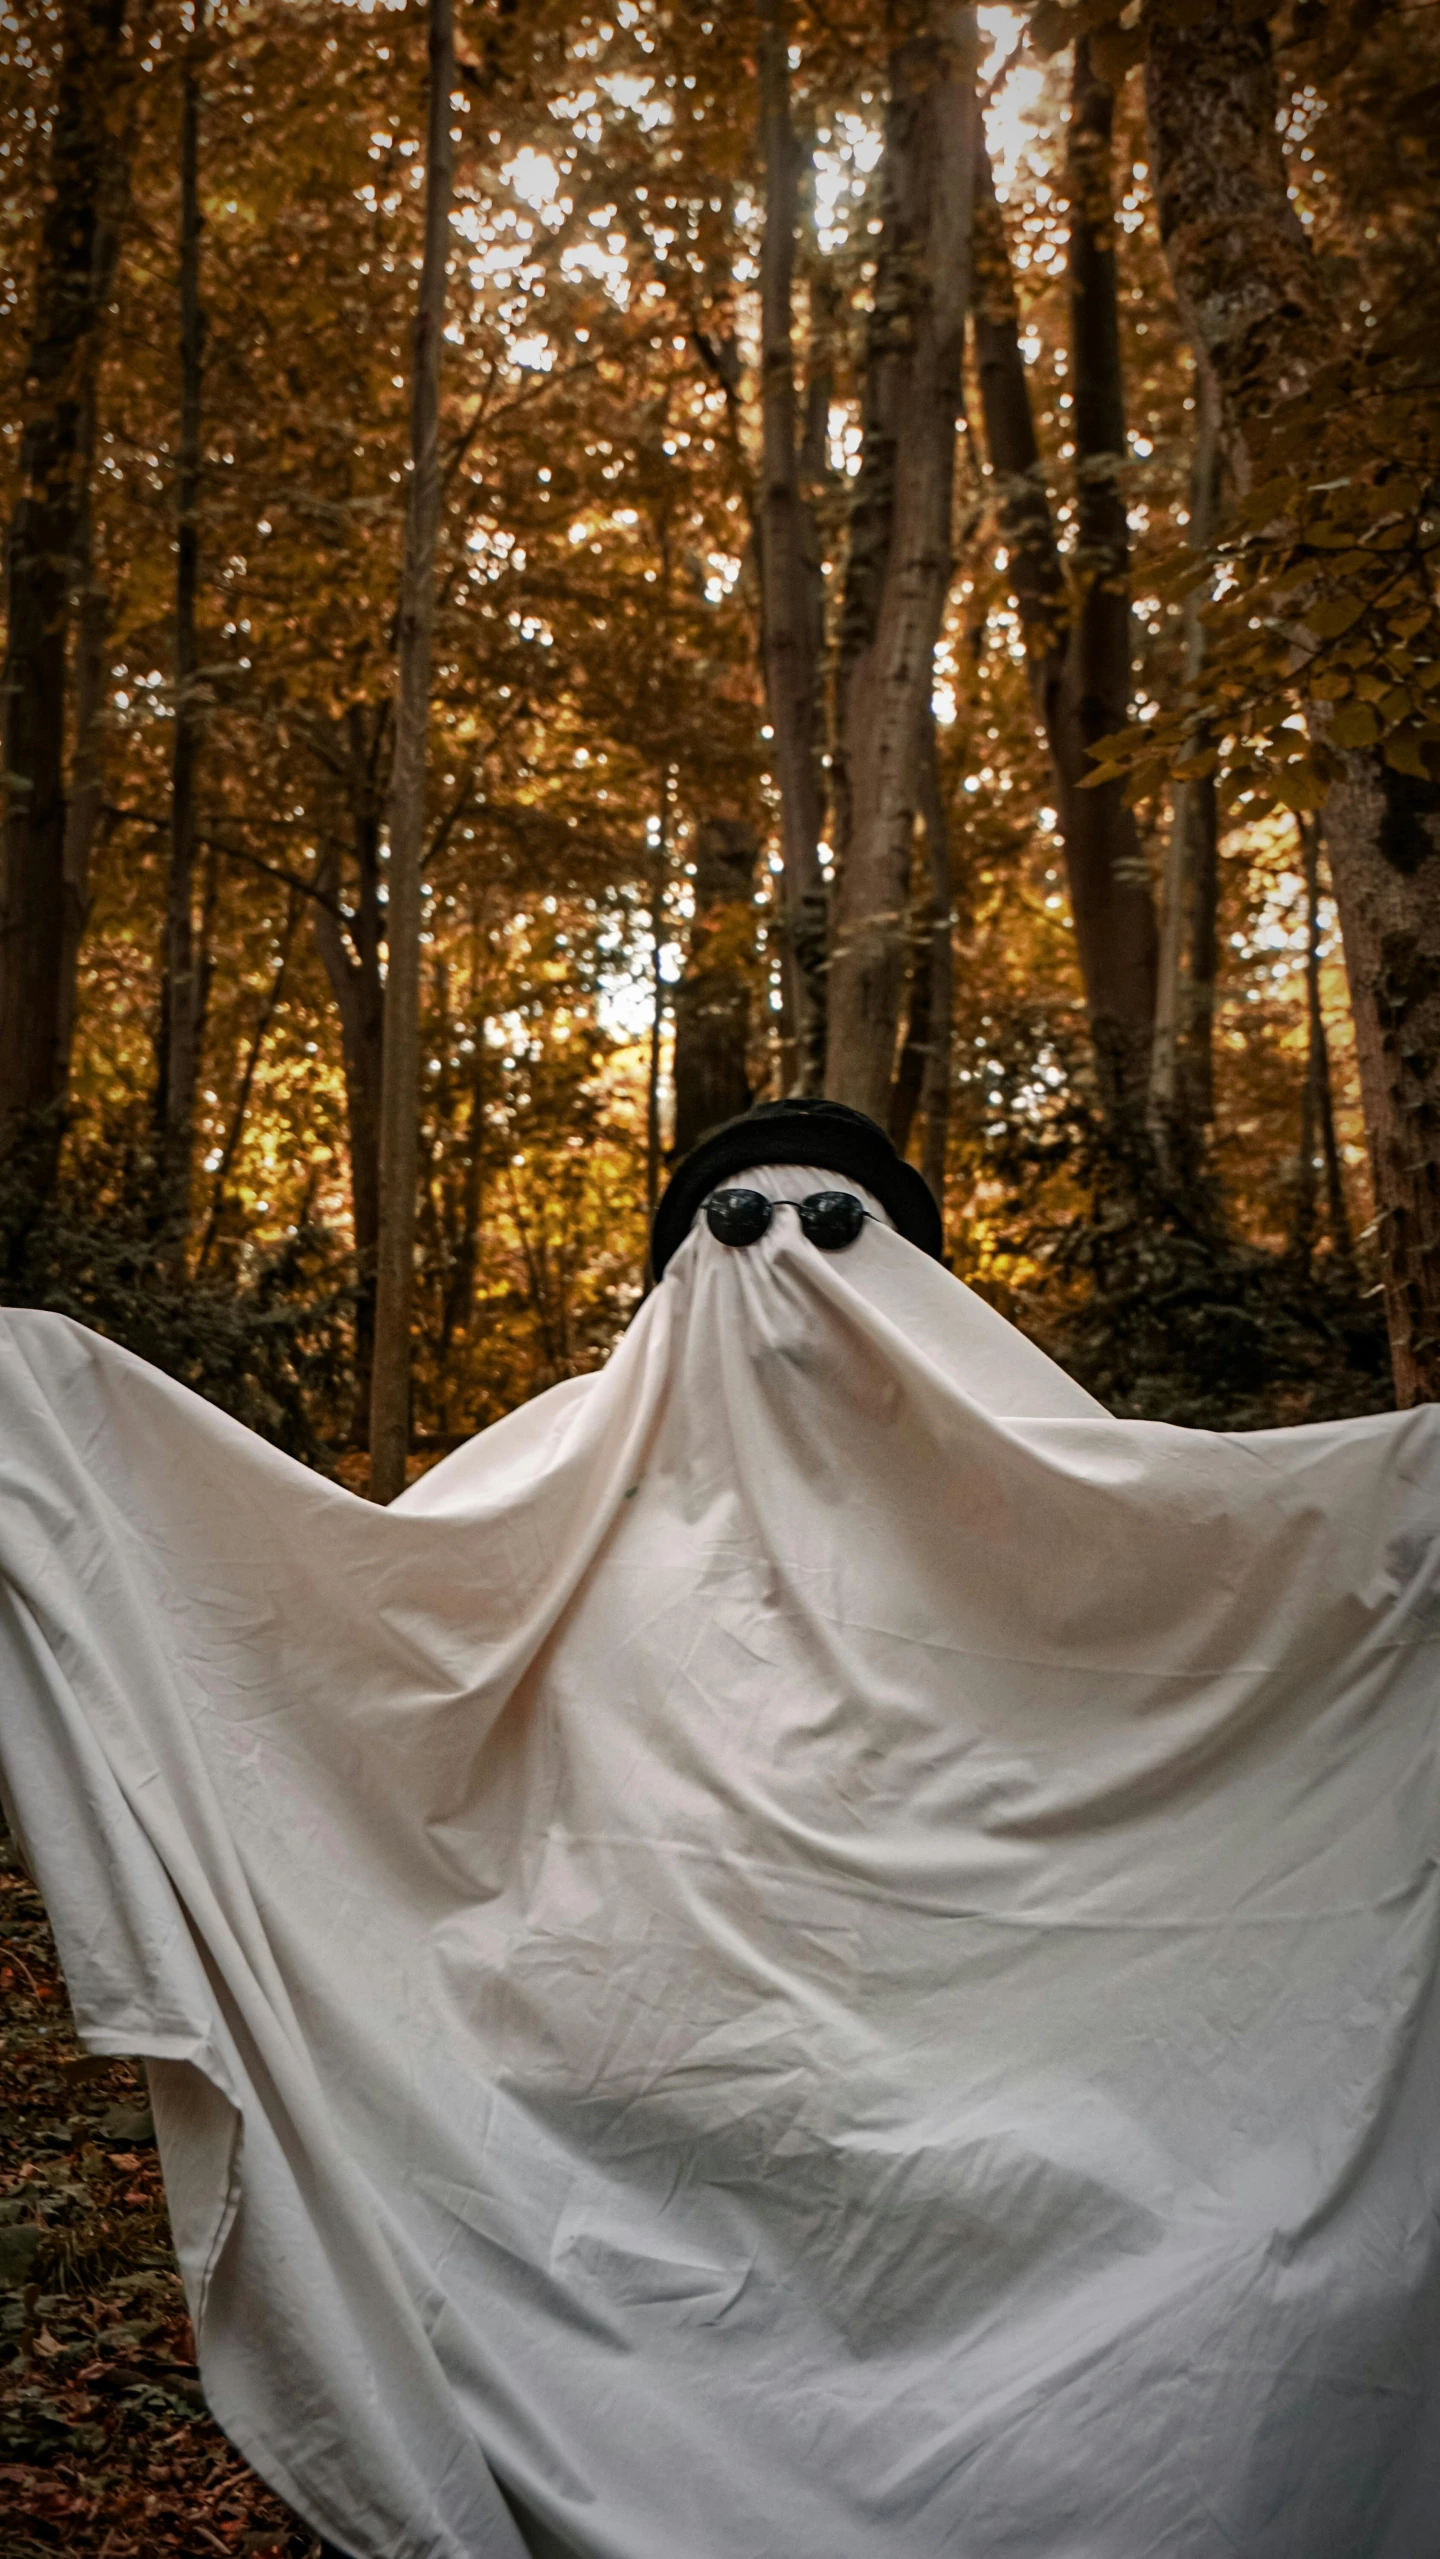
x=899 y=567
x=458 y=1309
x=712 y=1000
x=659 y=885
x=1317 y=1107
x=85 y=804
x=1109 y=884
x=35 y=1009
x=180 y=1045
x=1024 y=521
x=351 y=960
x=1077 y=649
x=789 y=574
x=935 y=1083
x=1258 y=314
x=1182 y=1073
x=915 y=1046
x=400 y=1098
x=922 y=1076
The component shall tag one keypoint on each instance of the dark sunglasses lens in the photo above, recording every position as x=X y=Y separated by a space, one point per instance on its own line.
x=832 y=1219
x=737 y=1217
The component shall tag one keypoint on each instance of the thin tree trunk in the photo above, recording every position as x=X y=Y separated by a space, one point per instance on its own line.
x=236 y=1130
x=1182 y=1073
x=909 y=1074
x=1024 y=521
x=935 y=1087
x=1077 y=654
x=659 y=884
x=1259 y=315
x=1202 y=821
x=788 y=572
x=180 y=1046
x=712 y=999
x=400 y=1099
x=86 y=801
x=900 y=561
x=351 y=959
x=91 y=108
x=1109 y=884
x=458 y=1311
x=922 y=1075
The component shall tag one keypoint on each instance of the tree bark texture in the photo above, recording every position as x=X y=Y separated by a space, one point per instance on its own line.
x=899 y=566
x=349 y=949
x=400 y=1097
x=1259 y=316
x=85 y=803
x=1182 y=1075
x=712 y=999
x=1024 y=520
x=1109 y=883
x=458 y=1304
x=939 y=1062
x=922 y=1075
x=659 y=890
x=180 y=1044
x=1076 y=636
x=90 y=112
x=791 y=597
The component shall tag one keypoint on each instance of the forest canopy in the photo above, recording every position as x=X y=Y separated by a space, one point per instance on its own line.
x=885 y=549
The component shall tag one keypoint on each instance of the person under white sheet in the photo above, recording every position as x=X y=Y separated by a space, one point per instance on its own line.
x=810 y=1949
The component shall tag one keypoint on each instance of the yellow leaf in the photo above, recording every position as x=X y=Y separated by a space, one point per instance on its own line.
x=1299 y=787
x=1334 y=615
x=1354 y=725
x=1403 y=754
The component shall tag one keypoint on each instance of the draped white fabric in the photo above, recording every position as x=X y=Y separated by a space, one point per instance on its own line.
x=810 y=1950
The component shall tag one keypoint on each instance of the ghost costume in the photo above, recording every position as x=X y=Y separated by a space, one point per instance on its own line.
x=810 y=1950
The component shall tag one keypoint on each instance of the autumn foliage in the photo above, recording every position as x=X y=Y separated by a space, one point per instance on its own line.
x=613 y=686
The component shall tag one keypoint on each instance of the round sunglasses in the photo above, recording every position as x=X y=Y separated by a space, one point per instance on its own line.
x=829 y=1219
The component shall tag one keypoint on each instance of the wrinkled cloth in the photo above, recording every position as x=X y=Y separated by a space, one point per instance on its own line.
x=811 y=1949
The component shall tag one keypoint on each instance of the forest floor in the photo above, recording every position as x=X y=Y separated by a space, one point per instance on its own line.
x=106 y=2448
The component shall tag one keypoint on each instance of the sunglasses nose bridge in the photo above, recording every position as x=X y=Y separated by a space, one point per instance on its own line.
x=829 y=1220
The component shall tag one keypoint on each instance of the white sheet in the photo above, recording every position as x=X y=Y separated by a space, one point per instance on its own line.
x=811 y=1950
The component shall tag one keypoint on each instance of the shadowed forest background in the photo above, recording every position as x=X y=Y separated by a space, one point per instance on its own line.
x=570 y=568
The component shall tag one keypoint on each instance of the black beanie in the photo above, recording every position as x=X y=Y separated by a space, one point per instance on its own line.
x=829 y=1134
